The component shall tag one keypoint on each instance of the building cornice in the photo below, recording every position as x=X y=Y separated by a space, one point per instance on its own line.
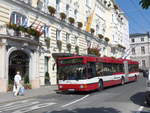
x=20 y=39
x=138 y=34
x=104 y=6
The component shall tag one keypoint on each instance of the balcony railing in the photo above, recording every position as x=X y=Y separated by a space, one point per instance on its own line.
x=17 y=33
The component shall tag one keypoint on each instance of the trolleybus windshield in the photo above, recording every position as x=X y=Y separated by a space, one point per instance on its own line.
x=72 y=72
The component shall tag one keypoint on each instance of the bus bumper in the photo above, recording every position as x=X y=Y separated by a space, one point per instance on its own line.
x=77 y=87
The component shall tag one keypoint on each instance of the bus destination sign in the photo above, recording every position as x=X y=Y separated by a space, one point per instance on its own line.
x=72 y=61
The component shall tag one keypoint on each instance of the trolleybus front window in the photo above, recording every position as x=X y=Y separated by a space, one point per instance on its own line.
x=72 y=72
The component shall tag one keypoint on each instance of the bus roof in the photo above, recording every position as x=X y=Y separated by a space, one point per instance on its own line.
x=101 y=59
x=85 y=57
x=108 y=60
x=129 y=61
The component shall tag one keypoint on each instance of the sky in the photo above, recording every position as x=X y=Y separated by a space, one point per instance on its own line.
x=139 y=19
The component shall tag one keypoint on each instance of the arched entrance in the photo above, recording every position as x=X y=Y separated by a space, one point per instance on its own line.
x=18 y=61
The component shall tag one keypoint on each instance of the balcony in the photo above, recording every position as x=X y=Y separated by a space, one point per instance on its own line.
x=15 y=33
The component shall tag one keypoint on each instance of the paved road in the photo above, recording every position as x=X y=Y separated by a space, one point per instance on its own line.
x=119 y=99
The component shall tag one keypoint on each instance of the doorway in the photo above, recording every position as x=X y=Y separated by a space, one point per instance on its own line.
x=18 y=61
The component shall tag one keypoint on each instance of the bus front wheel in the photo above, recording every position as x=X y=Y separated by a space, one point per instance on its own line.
x=136 y=78
x=122 y=81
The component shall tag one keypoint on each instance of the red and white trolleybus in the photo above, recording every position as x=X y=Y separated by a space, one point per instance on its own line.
x=85 y=73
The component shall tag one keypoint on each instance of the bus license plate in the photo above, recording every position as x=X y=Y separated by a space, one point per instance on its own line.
x=71 y=89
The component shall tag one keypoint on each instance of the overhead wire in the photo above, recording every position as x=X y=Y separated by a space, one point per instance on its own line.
x=136 y=22
x=135 y=29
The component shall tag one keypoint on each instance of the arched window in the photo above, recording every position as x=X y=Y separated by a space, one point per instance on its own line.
x=89 y=44
x=97 y=28
x=67 y=8
x=46 y=31
x=76 y=13
x=67 y=38
x=17 y=18
x=58 y=34
x=58 y=5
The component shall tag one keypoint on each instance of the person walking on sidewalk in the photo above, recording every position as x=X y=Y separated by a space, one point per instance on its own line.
x=17 y=83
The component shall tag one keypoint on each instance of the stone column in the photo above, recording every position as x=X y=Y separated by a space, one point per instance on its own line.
x=3 y=74
x=34 y=3
x=34 y=77
x=41 y=70
x=53 y=72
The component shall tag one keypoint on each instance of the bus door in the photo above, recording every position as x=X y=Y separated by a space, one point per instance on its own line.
x=91 y=70
x=126 y=70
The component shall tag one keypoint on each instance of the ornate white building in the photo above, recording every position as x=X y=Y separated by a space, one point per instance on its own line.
x=32 y=35
x=140 y=49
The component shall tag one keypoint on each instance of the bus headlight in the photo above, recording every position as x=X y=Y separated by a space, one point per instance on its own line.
x=81 y=86
x=60 y=86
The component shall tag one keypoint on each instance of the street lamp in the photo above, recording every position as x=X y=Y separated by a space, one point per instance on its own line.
x=148 y=57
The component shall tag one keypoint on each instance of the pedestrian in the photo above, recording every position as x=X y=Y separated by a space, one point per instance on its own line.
x=17 y=83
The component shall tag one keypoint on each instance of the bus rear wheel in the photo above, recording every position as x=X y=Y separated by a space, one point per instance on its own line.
x=100 y=83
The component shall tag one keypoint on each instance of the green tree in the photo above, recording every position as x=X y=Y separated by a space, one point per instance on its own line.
x=145 y=4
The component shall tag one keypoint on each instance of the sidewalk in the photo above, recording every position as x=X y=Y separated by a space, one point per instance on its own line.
x=44 y=90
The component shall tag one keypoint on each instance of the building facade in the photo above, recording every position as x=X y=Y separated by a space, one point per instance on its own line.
x=33 y=33
x=140 y=49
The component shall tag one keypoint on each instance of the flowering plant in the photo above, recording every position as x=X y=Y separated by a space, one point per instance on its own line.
x=29 y=30
x=52 y=10
x=63 y=16
x=106 y=39
x=94 y=51
x=80 y=24
x=71 y=20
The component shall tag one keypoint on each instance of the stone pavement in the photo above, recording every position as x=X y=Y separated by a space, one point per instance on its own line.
x=44 y=90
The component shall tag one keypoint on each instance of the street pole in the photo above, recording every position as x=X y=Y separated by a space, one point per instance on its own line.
x=147 y=97
x=148 y=57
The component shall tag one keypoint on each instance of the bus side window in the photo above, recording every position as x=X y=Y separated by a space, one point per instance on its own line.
x=99 y=71
x=114 y=68
x=121 y=68
x=107 y=69
x=91 y=70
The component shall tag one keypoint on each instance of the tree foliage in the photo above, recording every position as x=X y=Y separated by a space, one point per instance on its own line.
x=145 y=4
